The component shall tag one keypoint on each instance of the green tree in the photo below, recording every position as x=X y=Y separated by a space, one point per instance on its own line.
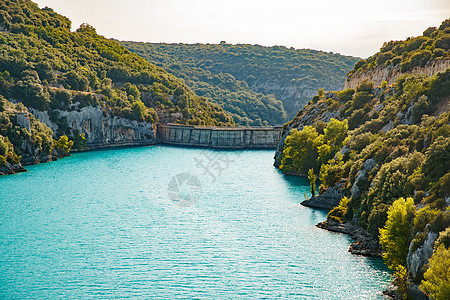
x=63 y=145
x=312 y=181
x=395 y=236
x=338 y=213
x=335 y=133
x=436 y=282
x=79 y=140
x=300 y=152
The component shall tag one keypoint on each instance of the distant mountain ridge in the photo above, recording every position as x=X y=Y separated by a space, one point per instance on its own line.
x=242 y=78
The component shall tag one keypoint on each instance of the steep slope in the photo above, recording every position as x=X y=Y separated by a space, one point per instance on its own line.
x=233 y=75
x=21 y=132
x=377 y=145
x=80 y=83
x=427 y=54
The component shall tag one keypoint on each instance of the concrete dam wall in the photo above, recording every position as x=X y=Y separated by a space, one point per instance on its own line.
x=220 y=138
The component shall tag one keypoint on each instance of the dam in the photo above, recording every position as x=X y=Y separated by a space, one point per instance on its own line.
x=219 y=137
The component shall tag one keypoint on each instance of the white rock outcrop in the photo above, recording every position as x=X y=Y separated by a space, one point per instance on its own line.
x=103 y=130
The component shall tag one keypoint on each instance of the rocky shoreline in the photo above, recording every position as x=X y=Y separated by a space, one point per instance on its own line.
x=10 y=169
x=364 y=245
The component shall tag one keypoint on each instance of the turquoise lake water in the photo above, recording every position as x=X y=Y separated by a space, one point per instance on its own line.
x=123 y=223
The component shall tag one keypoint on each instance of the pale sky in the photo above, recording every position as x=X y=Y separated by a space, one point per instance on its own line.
x=352 y=27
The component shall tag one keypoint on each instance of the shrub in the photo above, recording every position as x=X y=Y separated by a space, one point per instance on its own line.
x=436 y=283
x=338 y=213
x=63 y=145
x=423 y=217
x=443 y=239
x=345 y=95
x=2 y=161
x=79 y=141
x=443 y=42
x=365 y=86
x=361 y=98
x=418 y=241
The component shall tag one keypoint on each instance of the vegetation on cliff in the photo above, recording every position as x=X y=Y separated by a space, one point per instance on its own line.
x=48 y=68
x=397 y=148
x=21 y=134
x=434 y=44
x=242 y=78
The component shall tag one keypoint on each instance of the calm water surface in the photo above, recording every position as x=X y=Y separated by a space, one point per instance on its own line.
x=103 y=225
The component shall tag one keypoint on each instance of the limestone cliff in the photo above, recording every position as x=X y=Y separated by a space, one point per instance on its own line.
x=101 y=129
x=294 y=95
x=391 y=73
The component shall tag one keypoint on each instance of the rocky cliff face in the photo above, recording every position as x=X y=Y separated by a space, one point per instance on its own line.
x=294 y=95
x=391 y=73
x=102 y=130
x=418 y=258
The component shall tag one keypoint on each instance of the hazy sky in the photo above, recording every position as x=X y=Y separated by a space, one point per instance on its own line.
x=353 y=27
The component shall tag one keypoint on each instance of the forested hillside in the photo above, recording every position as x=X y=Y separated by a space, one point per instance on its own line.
x=242 y=78
x=50 y=69
x=387 y=148
x=434 y=44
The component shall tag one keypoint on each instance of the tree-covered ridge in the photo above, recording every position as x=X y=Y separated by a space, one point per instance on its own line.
x=434 y=44
x=398 y=146
x=228 y=72
x=246 y=106
x=51 y=67
x=15 y=14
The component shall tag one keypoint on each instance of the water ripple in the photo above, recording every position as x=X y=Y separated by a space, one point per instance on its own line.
x=101 y=225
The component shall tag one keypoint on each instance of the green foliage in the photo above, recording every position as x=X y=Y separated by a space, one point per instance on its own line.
x=339 y=212
x=7 y=152
x=312 y=181
x=3 y=161
x=18 y=14
x=437 y=160
x=331 y=172
x=63 y=145
x=365 y=86
x=345 y=95
x=335 y=133
x=242 y=78
x=443 y=239
x=436 y=283
x=79 y=140
x=40 y=55
x=16 y=139
x=423 y=217
x=361 y=98
x=389 y=183
x=421 y=107
x=401 y=280
x=418 y=241
x=398 y=146
x=395 y=236
x=300 y=152
x=413 y=52
x=408 y=158
x=306 y=149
